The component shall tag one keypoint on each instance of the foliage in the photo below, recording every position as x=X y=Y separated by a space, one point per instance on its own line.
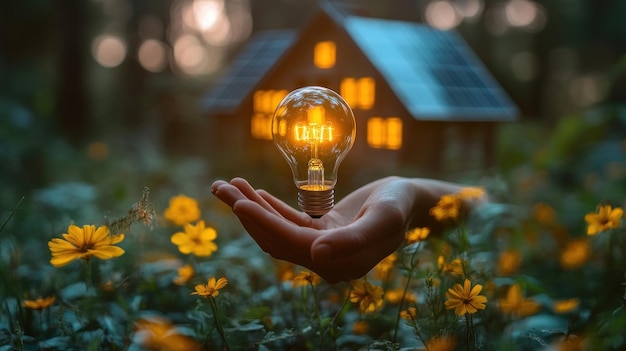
x=547 y=284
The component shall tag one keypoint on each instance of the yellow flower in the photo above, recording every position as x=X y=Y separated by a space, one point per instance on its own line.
x=605 y=218
x=509 y=262
x=409 y=314
x=441 y=343
x=454 y=267
x=305 y=278
x=197 y=239
x=360 y=328
x=84 y=243
x=39 y=303
x=185 y=273
x=395 y=296
x=155 y=333
x=465 y=299
x=448 y=207
x=382 y=269
x=565 y=306
x=285 y=271
x=514 y=303
x=544 y=214
x=368 y=296
x=471 y=193
x=571 y=343
x=575 y=254
x=182 y=210
x=417 y=234
x=211 y=288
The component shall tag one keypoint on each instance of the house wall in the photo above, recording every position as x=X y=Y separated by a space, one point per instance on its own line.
x=429 y=148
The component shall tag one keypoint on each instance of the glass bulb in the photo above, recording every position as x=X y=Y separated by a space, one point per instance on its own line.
x=314 y=128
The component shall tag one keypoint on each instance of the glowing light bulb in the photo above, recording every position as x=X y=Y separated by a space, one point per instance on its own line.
x=314 y=128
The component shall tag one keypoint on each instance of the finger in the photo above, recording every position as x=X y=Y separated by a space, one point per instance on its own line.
x=248 y=191
x=227 y=193
x=288 y=212
x=267 y=240
x=282 y=234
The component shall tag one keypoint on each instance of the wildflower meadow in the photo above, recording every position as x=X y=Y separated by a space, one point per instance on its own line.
x=538 y=263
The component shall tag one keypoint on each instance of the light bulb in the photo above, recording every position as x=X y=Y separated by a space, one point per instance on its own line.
x=314 y=129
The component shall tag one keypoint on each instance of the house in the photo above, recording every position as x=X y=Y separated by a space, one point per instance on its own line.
x=421 y=97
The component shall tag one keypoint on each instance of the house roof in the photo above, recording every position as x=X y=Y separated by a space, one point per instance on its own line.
x=255 y=61
x=434 y=73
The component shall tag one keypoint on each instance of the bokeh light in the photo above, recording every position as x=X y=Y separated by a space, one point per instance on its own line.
x=201 y=31
x=219 y=33
x=525 y=14
x=442 y=14
x=588 y=89
x=192 y=58
x=470 y=10
x=525 y=65
x=98 y=151
x=152 y=55
x=520 y=13
x=205 y=13
x=109 y=50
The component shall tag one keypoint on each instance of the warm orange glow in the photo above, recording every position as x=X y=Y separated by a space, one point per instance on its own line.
x=359 y=93
x=264 y=103
x=375 y=132
x=325 y=54
x=98 y=151
x=384 y=133
x=316 y=115
x=348 y=91
x=313 y=133
x=394 y=133
x=261 y=126
x=366 y=92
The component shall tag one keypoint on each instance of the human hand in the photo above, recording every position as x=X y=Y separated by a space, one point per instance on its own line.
x=359 y=231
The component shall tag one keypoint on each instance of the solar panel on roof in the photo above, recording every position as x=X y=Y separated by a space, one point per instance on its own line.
x=250 y=66
x=454 y=83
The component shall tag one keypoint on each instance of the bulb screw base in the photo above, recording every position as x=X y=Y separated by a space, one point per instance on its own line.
x=316 y=203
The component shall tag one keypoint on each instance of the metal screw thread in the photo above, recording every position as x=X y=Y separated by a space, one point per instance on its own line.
x=316 y=203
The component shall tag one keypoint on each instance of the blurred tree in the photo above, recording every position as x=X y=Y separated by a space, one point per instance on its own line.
x=72 y=112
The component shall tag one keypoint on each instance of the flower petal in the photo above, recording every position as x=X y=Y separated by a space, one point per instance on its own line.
x=64 y=259
x=106 y=252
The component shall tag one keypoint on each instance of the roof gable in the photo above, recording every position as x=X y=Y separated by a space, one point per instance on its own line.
x=259 y=56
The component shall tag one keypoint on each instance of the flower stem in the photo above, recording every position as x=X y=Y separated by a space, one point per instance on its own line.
x=470 y=335
x=218 y=321
x=89 y=276
x=406 y=288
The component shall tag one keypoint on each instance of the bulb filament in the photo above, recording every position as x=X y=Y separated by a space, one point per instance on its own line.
x=314 y=134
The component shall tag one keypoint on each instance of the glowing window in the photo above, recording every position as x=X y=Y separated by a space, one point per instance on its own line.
x=366 y=89
x=324 y=54
x=384 y=133
x=359 y=93
x=376 y=132
x=264 y=103
x=347 y=90
x=394 y=133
